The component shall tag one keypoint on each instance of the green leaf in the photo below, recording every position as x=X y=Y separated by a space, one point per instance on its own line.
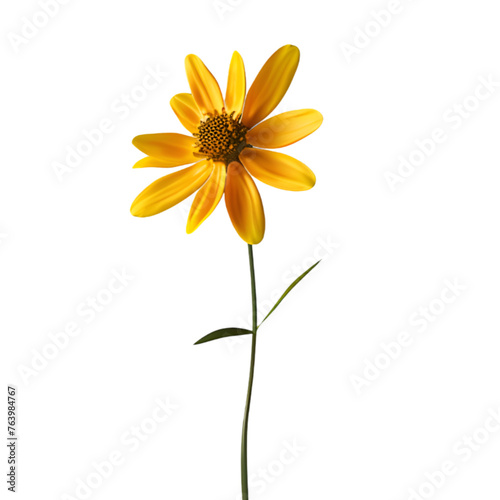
x=223 y=332
x=288 y=290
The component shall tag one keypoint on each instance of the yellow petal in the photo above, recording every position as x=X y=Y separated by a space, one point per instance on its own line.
x=270 y=85
x=149 y=161
x=204 y=86
x=207 y=198
x=236 y=85
x=187 y=111
x=284 y=129
x=166 y=192
x=173 y=149
x=244 y=204
x=278 y=170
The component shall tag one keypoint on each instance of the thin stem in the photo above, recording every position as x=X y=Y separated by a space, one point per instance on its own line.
x=244 y=465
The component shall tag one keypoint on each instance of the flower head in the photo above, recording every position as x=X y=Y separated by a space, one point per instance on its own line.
x=228 y=145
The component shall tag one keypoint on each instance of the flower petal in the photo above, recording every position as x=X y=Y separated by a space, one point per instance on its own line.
x=284 y=129
x=207 y=198
x=173 y=149
x=278 y=170
x=236 y=85
x=149 y=161
x=204 y=86
x=167 y=191
x=270 y=85
x=187 y=111
x=244 y=204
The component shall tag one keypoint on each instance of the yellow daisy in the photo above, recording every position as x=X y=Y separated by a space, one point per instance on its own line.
x=227 y=143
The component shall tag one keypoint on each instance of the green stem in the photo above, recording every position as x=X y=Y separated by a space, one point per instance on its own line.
x=244 y=437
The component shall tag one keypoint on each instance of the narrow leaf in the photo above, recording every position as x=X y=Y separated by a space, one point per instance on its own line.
x=288 y=290
x=223 y=332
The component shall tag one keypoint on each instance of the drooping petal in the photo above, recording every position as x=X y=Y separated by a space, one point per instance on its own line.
x=173 y=149
x=270 y=85
x=187 y=111
x=278 y=170
x=167 y=191
x=207 y=198
x=204 y=86
x=236 y=85
x=284 y=129
x=244 y=204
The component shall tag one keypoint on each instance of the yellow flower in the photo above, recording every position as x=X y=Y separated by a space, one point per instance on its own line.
x=228 y=137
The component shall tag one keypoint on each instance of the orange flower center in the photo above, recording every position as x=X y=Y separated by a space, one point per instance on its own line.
x=221 y=138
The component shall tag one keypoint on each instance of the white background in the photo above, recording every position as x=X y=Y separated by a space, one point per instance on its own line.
x=390 y=253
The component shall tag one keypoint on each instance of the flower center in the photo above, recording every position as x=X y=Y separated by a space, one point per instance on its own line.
x=221 y=138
